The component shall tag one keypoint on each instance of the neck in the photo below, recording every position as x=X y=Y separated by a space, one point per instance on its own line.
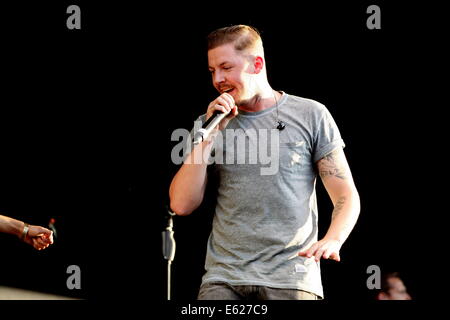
x=260 y=101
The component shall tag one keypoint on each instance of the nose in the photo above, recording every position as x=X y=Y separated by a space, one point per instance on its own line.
x=218 y=78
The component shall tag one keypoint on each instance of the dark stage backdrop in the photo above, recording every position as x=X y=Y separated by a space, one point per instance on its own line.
x=87 y=116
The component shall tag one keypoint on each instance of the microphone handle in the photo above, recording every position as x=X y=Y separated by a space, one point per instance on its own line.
x=208 y=126
x=215 y=115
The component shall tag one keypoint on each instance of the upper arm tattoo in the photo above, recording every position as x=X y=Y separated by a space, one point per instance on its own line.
x=332 y=166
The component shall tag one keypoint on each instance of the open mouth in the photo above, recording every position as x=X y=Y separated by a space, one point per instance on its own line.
x=227 y=90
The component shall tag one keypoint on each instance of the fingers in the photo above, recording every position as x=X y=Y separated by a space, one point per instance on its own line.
x=329 y=254
x=47 y=237
x=224 y=103
x=39 y=243
x=335 y=256
x=228 y=99
x=319 y=254
x=40 y=238
x=50 y=237
x=312 y=251
x=327 y=249
x=219 y=107
x=233 y=113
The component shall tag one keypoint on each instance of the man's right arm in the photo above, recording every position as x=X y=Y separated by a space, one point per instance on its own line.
x=188 y=186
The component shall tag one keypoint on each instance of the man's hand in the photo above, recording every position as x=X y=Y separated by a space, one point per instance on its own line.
x=39 y=237
x=223 y=103
x=325 y=248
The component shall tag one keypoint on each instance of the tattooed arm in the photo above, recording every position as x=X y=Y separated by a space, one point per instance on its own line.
x=338 y=181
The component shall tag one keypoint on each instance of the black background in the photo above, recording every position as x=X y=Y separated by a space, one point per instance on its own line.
x=87 y=115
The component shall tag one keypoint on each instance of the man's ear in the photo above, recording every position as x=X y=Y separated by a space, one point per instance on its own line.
x=258 y=64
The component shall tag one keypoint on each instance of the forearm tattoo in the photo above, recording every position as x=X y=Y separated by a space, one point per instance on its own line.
x=338 y=207
x=331 y=166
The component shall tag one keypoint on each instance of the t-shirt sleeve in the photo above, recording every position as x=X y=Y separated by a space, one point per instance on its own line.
x=328 y=137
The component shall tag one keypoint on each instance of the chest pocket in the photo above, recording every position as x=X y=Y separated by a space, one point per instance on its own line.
x=295 y=158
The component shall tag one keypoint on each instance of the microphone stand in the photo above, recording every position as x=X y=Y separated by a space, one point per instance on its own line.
x=168 y=248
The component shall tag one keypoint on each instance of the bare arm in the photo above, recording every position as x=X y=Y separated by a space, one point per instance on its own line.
x=11 y=226
x=188 y=186
x=338 y=181
x=39 y=237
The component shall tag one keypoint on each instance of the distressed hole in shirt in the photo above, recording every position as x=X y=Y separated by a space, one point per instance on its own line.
x=295 y=159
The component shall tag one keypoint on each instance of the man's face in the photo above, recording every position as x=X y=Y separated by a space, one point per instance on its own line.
x=397 y=290
x=231 y=72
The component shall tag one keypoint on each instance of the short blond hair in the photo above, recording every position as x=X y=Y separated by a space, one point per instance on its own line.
x=242 y=36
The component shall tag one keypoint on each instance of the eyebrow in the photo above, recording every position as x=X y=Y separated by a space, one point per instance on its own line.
x=220 y=65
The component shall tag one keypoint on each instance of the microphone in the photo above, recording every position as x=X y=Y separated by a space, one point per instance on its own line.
x=203 y=133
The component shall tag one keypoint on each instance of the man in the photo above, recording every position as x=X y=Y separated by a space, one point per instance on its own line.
x=263 y=244
x=38 y=237
x=392 y=288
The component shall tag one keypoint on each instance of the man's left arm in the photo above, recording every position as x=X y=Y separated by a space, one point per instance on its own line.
x=338 y=181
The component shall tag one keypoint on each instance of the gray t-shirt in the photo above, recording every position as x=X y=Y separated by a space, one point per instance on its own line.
x=263 y=219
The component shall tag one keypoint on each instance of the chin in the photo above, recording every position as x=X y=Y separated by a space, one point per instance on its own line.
x=236 y=96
